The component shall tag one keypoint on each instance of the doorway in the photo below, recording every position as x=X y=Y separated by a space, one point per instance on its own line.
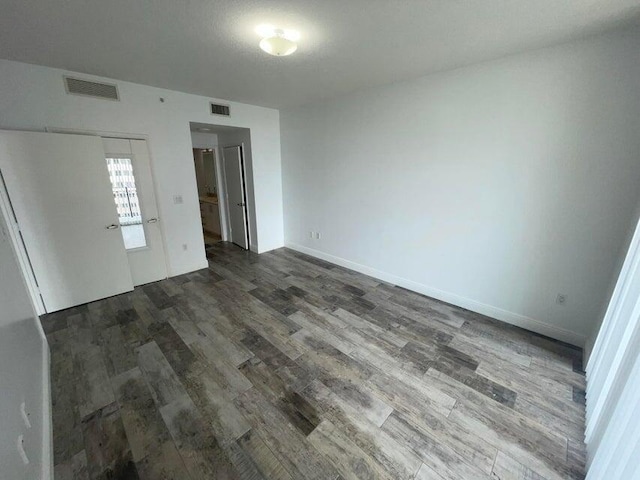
x=208 y=194
x=222 y=157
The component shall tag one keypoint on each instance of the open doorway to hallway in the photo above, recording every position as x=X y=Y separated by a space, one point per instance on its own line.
x=222 y=157
x=208 y=191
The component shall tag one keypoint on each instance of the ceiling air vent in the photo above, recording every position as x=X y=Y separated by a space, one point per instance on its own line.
x=218 y=109
x=77 y=86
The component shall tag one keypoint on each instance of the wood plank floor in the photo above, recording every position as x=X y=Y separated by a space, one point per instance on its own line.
x=282 y=366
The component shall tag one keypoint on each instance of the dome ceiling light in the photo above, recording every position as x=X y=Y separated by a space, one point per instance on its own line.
x=277 y=41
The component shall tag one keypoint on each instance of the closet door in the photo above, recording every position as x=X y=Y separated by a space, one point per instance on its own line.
x=59 y=189
x=137 y=208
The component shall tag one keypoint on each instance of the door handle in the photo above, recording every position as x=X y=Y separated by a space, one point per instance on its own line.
x=113 y=226
x=152 y=220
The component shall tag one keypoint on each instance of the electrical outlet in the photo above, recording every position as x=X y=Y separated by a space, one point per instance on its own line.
x=184 y=247
x=177 y=200
x=317 y=235
x=311 y=234
x=561 y=299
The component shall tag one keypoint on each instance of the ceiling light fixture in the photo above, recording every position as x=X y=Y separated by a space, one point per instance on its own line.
x=277 y=41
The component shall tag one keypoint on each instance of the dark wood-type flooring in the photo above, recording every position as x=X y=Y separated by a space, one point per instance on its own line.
x=282 y=366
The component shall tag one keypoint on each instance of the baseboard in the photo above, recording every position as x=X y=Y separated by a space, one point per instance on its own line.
x=47 y=418
x=506 y=316
x=203 y=264
x=269 y=248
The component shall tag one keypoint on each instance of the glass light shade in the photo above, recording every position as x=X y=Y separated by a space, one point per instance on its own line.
x=278 y=46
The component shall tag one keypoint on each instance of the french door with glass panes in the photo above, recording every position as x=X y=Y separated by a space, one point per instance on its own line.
x=129 y=167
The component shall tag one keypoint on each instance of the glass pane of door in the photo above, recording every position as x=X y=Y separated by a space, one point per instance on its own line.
x=125 y=195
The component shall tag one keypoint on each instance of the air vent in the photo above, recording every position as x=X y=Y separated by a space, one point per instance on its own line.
x=77 y=86
x=218 y=109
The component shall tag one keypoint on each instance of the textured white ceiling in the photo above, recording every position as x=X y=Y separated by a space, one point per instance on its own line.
x=210 y=47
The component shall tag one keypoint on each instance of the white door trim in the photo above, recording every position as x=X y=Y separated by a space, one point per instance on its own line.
x=13 y=233
x=221 y=188
x=613 y=392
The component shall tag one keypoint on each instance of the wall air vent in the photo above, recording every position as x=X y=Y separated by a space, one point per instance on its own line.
x=218 y=109
x=77 y=86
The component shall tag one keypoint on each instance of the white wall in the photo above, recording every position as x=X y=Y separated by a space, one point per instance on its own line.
x=203 y=140
x=33 y=97
x=24 y=375
x=494 y=187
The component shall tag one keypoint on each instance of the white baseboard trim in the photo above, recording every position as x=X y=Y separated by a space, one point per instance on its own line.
x=506 y=316
x=201 y=265
x=269 y=248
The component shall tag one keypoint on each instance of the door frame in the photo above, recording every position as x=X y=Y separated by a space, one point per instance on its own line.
x=20 y=249
x=243 y=171
x=221 y=188
x=127 y=136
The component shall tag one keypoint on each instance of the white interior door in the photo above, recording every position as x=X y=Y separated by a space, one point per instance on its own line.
x=236 y=197
x=129 y=167
x=59 y=189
